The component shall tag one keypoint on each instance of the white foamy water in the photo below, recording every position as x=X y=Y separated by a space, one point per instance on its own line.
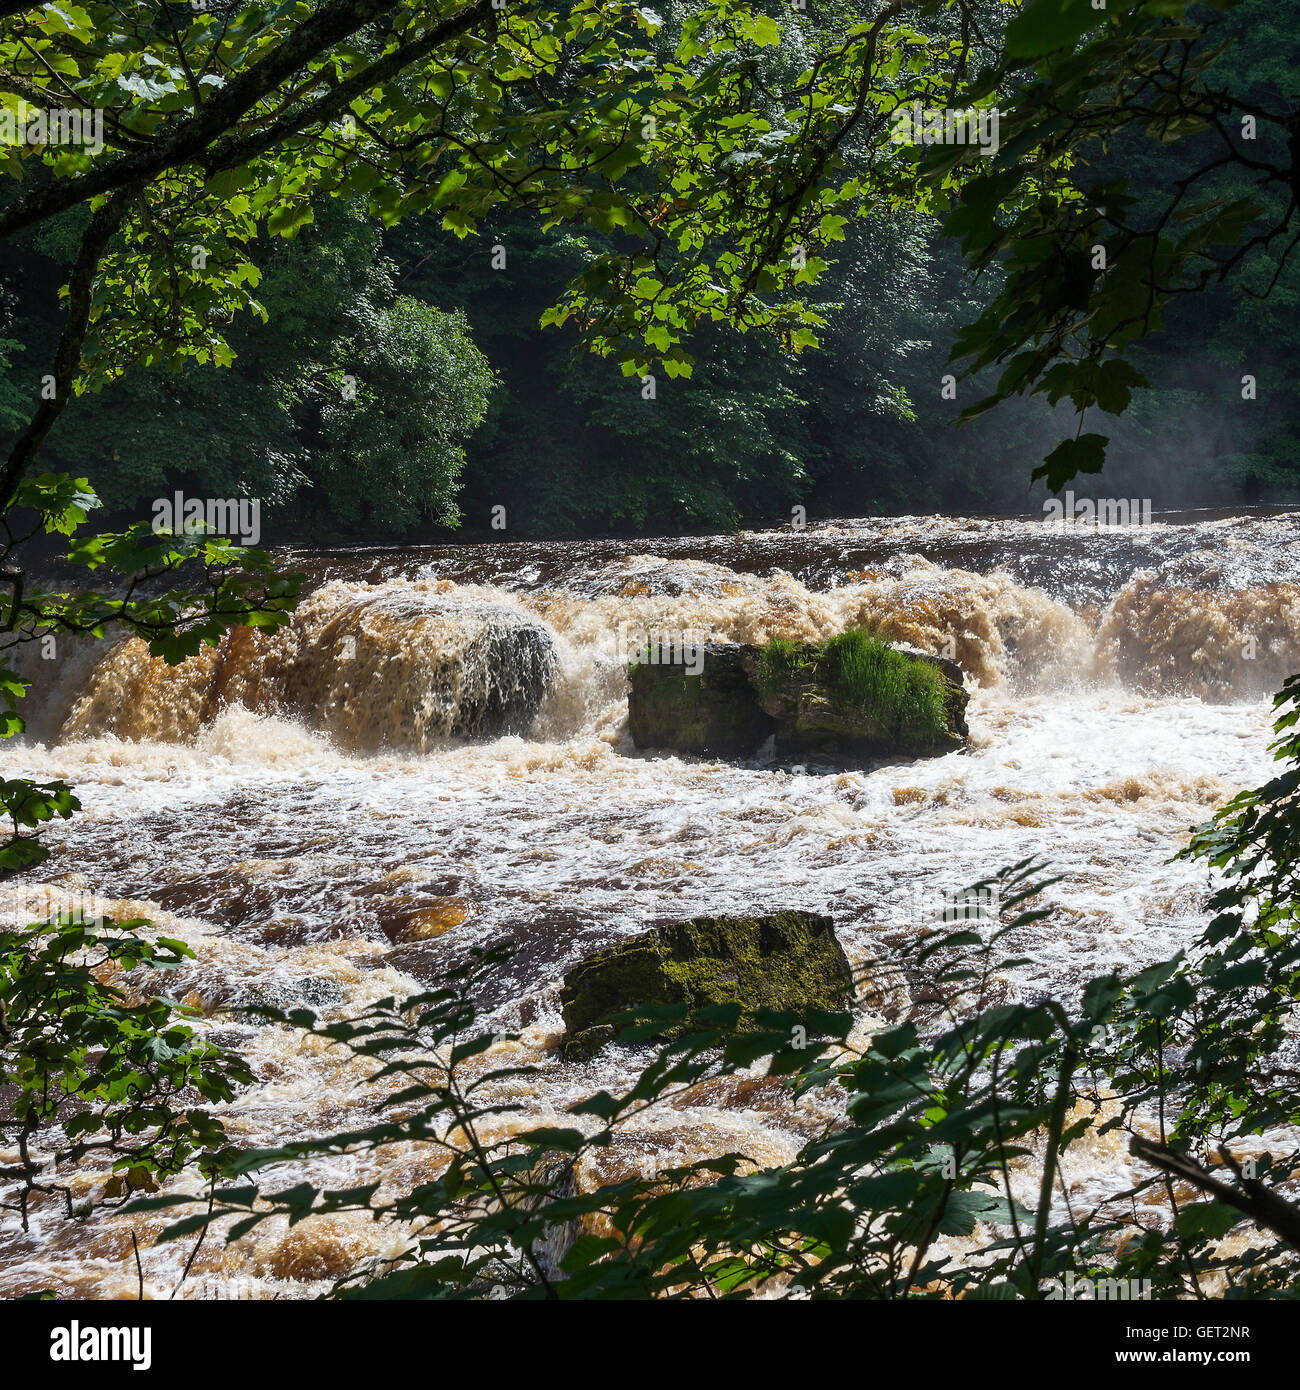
x=302 y=811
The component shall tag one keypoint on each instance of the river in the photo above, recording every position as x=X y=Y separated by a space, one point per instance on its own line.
x=309 y=814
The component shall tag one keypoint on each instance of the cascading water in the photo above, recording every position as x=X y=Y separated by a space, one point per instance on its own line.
x=434 y=757
x=390 y=665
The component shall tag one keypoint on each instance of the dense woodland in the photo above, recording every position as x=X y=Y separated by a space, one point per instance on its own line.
x=464 y=402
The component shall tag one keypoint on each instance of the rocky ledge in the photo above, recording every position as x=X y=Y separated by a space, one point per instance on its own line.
x=851 y=699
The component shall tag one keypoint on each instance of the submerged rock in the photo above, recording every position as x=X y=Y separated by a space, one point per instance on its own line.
x=506 y=674
x=400 y=664
x=796 y=695
x=310 y=992
x=786 y=961
x=553 y=1178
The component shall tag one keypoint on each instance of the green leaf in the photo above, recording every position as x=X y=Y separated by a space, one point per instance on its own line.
x=1044 y=26
x=1086 y=454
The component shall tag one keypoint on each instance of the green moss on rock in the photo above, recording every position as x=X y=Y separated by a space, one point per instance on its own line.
x=857 y=696
x=788 y=961
x=850 y=699
x=906 y=694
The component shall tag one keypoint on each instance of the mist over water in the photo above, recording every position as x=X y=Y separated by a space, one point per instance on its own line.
x=434 y=756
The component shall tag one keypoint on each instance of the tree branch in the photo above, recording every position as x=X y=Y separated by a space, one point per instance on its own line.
x=94 y=242
x=187 y=140
x=1264 y=1207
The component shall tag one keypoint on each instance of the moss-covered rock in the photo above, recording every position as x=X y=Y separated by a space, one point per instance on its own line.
x=858 y=695
x=851 y=699
x=787 y=961
x=712 y=712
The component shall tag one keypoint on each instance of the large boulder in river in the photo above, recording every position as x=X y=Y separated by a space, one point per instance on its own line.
x=850 y=699
x=788 y=961
x=713 y=709
x=400 y=666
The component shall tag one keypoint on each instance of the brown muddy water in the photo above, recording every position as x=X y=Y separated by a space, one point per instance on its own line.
x=435 y=757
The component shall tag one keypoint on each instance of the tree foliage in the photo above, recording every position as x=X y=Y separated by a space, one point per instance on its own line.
x=214 y=585
x=724 y=183
x=94 y=1072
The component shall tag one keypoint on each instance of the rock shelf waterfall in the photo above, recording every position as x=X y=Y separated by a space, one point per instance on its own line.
x=434 y=757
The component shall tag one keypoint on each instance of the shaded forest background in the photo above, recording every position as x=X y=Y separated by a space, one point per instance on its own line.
x=401 y=384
